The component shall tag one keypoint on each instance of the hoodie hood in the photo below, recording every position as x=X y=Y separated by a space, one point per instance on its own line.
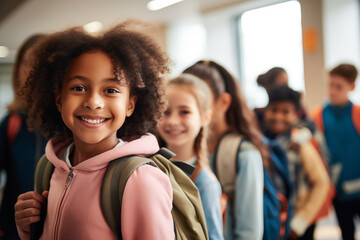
x=144 y=145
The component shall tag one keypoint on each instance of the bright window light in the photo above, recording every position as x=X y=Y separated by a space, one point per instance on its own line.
x=155 y=5
x=93 y=27
x=270 y=36
x=4 y=52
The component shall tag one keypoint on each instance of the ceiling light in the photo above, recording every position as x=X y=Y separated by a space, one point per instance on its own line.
x=93 y=27
x=4 y=52
x=155 y=5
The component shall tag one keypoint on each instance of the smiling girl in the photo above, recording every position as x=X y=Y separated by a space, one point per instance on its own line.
x=97 y=97
x=184 y=131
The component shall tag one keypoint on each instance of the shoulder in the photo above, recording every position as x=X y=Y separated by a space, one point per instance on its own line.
x=206 y=179
x=247 y=149
x=149 y=180
x=249 y=155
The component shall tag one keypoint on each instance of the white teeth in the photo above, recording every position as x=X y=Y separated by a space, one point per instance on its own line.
x=174 y=132
x=93 y=121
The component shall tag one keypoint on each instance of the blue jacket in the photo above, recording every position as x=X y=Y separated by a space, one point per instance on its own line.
x=210 y=193
x=246 y=221
x=343 y=142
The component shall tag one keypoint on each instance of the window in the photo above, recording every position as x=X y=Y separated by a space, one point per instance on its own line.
x=270 y=36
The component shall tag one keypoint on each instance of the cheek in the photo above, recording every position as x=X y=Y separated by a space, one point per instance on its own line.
x=161 y=124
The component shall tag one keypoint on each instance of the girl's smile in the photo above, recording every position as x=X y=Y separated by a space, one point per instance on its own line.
x=182 y=120
x=94 y=103
x=93 y=121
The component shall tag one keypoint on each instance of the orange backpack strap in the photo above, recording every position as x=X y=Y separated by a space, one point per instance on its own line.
x=355 y=115
x=317 y=116
x=13 y=127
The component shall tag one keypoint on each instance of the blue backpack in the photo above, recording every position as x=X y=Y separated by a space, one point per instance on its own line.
x=275 y=198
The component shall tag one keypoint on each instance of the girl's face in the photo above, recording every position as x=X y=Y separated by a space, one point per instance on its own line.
x=93 y=103
x=182 y=121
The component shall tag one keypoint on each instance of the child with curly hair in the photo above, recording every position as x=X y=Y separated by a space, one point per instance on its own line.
x=97 y=97
x=309 y=178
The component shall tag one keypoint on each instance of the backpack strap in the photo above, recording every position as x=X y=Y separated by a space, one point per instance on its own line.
x=113 y=186
x=225 y=162
x=43 y=172
x=317 y=116
x=13 y=127
x=355 y=115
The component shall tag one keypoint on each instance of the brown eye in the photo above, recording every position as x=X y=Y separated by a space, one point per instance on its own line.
x=78 y=89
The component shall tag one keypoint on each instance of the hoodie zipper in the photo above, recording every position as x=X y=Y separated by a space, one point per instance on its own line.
x=68 y=181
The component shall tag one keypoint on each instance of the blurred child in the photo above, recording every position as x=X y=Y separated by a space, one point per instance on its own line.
x=244 y=214
x=184 y=131
x=310 y=181
x=97 y=97
x=339 y=119
x=20 y=149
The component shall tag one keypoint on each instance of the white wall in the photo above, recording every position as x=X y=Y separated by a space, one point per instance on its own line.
x=186 y=43
x=217 y=37
x=342 y=35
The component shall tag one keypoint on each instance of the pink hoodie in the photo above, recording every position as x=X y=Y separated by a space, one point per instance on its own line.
x=75 y=213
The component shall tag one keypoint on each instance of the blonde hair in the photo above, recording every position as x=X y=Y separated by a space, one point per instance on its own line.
x=202 y=94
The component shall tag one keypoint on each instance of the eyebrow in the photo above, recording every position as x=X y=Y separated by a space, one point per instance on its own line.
x=85 y=79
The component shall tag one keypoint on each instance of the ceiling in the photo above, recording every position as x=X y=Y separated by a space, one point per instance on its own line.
x=21 y=18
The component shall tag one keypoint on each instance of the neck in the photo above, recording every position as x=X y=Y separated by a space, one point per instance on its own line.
x=183 y=152
x=215 y=134
x=84 y=151
x=341 y=104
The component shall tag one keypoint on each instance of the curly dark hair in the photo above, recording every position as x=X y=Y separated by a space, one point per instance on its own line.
x=283 y=93
x=131 y=52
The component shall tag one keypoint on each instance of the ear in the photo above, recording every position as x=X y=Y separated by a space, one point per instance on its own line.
x=224 y=101
x=207 y=117
x=352 y=87
x=131 y=105
x=58 y=101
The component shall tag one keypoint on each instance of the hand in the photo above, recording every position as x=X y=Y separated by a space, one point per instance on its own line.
x=27 y=209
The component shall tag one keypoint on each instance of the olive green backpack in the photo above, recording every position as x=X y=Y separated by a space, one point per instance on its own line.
x=187 y=212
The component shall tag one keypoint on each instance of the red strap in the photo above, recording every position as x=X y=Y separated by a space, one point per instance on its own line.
x=317 y=116
x=355 y=115
x=283 y=212
x=13 y=127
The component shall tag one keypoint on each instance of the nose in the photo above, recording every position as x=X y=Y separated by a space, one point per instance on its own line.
x=172 y=119
x=94 y=101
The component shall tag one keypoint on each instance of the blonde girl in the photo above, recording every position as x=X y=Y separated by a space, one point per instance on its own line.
x=184 y=130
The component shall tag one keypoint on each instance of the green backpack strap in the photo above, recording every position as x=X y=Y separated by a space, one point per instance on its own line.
x=113 y=186
x=43 y=172
x=187 y=208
